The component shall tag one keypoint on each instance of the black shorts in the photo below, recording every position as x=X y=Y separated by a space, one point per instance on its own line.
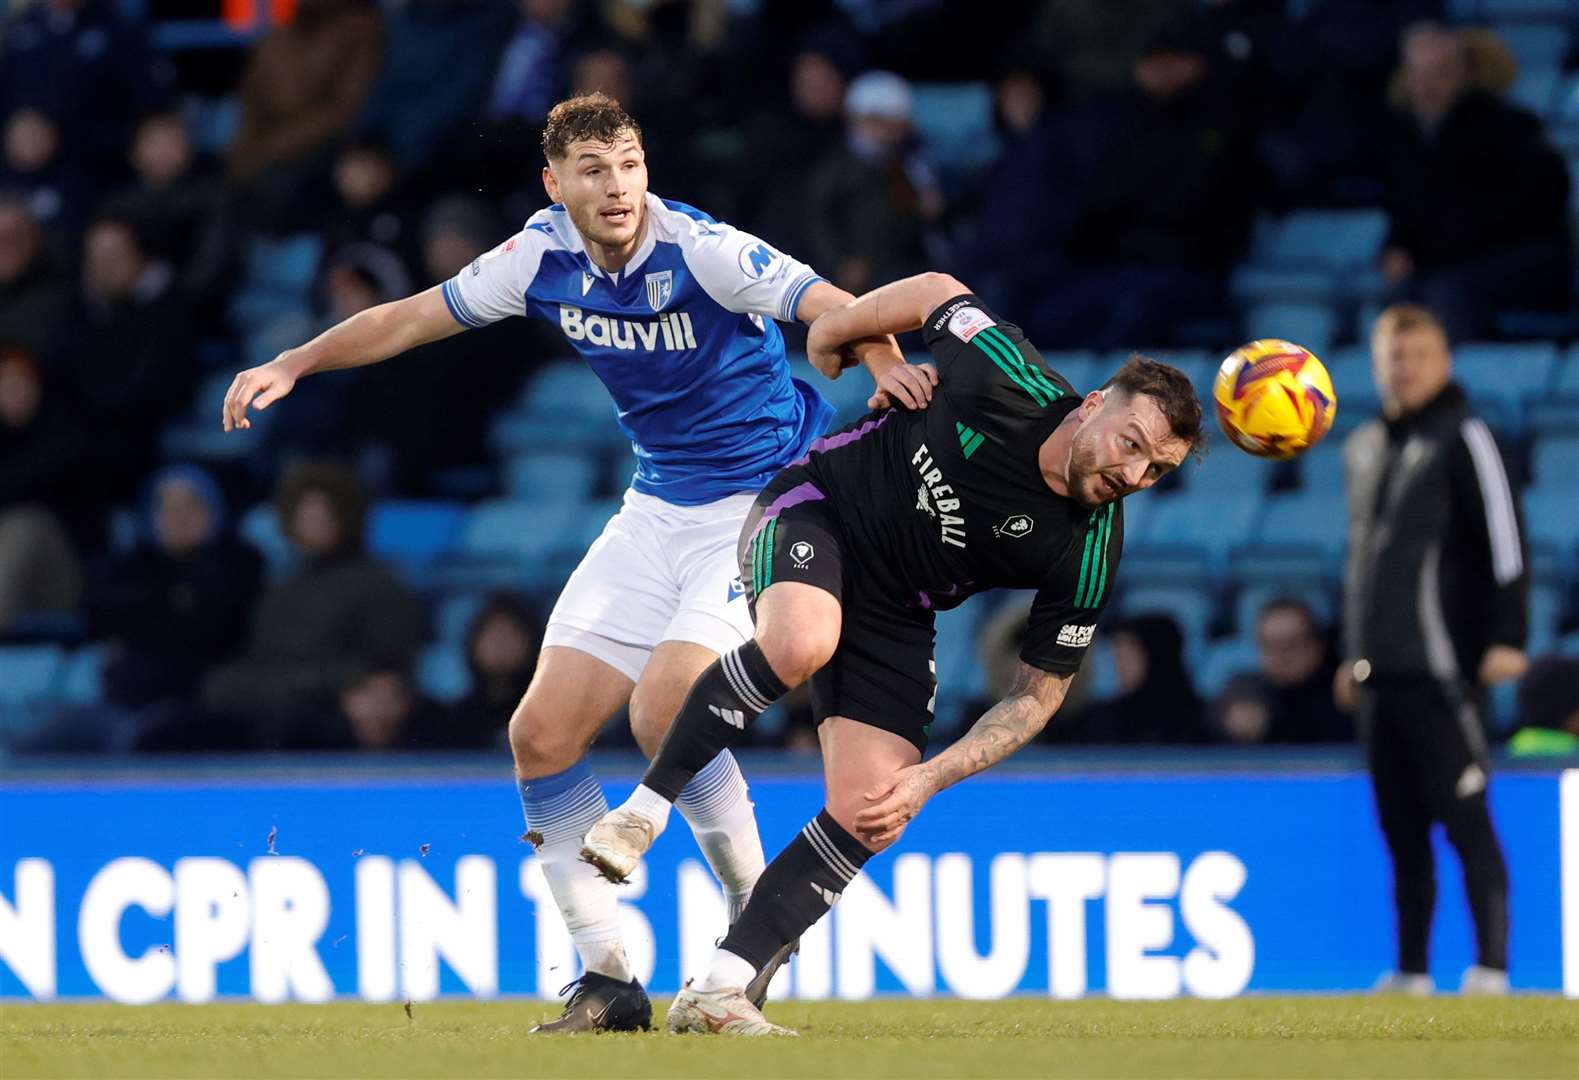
x=882 y=673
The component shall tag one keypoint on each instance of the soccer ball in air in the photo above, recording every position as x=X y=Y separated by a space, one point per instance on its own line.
x=1274 y=399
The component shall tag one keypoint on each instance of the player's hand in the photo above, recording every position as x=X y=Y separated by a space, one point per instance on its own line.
x=1501 y=663
x=259 y=388
x=909 y=385
x=895 y=801
x=827 y=354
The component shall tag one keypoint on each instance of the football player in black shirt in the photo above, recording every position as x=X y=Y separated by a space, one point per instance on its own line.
x=1009 y=478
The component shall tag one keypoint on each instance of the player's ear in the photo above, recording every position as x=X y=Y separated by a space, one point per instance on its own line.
x=551 y=184
x=1091 y=404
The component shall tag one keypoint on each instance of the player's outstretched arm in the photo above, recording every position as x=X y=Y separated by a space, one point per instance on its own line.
x=1003 y=729
x=365 y=338
x=896 y=380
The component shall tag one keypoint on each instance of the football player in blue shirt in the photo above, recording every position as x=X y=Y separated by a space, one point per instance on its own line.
x=676 y=314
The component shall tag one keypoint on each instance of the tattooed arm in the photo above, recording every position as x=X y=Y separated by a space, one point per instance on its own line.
x=1006 y=727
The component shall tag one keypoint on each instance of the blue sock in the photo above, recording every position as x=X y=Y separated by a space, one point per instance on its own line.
x=564 y=805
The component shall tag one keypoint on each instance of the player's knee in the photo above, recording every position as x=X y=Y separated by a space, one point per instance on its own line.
x=650 y=720
x=540 y=746
x=797 y=655
x=843 y=808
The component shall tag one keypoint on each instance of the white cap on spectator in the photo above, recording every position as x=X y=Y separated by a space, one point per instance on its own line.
x=879 y=94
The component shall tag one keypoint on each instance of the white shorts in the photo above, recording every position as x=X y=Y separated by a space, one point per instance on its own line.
x=658 y=572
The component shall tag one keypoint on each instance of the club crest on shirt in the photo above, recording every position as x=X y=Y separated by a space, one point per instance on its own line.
x=660 y=287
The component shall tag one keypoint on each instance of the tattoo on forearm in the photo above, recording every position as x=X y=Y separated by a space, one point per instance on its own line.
x=1004 y=728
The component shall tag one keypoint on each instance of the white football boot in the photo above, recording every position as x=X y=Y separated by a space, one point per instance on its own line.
x=1484 y=982
x=617 y=842
x=719 y=1012
x=1397 y=982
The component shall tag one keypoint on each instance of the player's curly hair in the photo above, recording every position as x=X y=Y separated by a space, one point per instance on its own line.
x=585 y=116
x=1171 y=389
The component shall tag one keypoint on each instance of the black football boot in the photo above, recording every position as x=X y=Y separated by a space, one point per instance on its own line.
x=599 y=1003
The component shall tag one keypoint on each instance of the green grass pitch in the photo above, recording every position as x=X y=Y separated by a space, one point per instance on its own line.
x=1248 y=1037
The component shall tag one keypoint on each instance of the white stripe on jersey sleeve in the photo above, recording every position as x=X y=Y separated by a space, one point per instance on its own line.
x=494 y=286
x=740 y=272
x=1502 y=525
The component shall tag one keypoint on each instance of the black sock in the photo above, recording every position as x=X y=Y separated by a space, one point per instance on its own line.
x=727 y=697
x=797 y=888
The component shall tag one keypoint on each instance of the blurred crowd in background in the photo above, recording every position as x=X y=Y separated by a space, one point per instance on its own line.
x=188 y=188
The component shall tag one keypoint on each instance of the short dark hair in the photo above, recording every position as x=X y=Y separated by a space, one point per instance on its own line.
x=1172 y=391
x=337 y=483
x=585 y=116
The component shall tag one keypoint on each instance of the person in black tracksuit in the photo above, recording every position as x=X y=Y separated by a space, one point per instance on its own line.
x=1434 y=613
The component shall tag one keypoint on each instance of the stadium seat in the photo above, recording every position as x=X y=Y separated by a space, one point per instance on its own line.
x=1226 y=469
x=955 y=125
x=551 y=475
x=1083 y=369
x=1312 y=325
x=1566 y=380
x=1315 y=520
x=82 y=676
x=260 y=527
x=960 y=673
x=454 y=615
x=1321 y=467
x=1307 y=255
x=508 y=529
x=1547 y=607
x=30 y=675
x=1537 y=46
x=1214 y=522
x=277 y=278
x=1554 y=462
x=1551 y=517
x=564 y=407
x=1189 y=605
x=1506 y=11
x=414 y=534
x=442 y=674
x=1221 y=661
x=1536 y=89
x=1501 y=377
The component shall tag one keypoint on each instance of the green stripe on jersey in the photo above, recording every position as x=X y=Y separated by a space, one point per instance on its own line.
x=1006 y=363
x=1033 y=372
x=1085 y=563
x=1107 y=534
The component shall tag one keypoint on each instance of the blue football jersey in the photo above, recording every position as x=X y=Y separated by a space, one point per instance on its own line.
x=683 y=337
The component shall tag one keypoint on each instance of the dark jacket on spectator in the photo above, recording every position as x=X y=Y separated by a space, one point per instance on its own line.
x=33 y=306
x=1485 y=180
x=310 y=633
x=170 y=618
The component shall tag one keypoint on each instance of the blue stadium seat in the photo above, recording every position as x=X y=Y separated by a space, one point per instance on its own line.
x=1566 y=380
x=1506 y=11
x=1227 y=469
x=455 y=614
x=277 y=278
x=1308 y=254
x=1312 y=325
x=564 y=407
x=588 y=524
x=507 y=529
x=1082 y=368
x=414 y=534
x=1546 y=611
x=260 y=527
x=1189 y=605
x=1551 y=517
x=1537 y=46
x=1212 y=522
x=1501 y=377
x=442 y=674
x=551 y=475
x=30 y=675
x=960 y=673
x=1221 y=661
x=82 y=676
x=1321 y=467
x=1554 y=462
x=1536 y=89
x=1313 y=519
x=955 y=124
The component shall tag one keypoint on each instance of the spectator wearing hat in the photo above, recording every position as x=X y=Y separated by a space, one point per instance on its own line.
x=872 y=203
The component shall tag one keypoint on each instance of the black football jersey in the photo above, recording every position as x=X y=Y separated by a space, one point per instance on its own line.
x=950 y=501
